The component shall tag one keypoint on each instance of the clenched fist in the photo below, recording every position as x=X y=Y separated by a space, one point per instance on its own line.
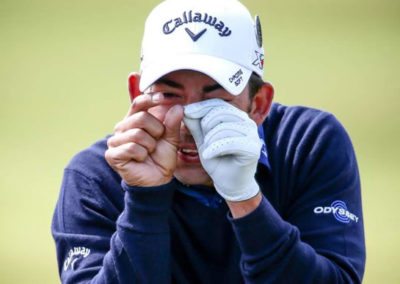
x=144 y=146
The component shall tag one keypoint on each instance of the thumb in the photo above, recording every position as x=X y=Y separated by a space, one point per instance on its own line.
x=172 y=123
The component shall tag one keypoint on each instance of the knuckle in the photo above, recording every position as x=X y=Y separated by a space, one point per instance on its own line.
x=138 y=153
x=136 y=120
x=118 y=127
x=132 y=147
x=135 y=134
x=152 y=146
x=109 y=156
x=140 y=117
x=159 y=131
x=110 y=142
x=141 y=158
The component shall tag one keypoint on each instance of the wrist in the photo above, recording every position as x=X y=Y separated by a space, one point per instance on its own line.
x=132 y=189
x=242 y=208
x=147 y=184
x=239 y=190
x=147 y=209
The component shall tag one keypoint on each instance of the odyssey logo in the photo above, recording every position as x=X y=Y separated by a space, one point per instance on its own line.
x=339 y=210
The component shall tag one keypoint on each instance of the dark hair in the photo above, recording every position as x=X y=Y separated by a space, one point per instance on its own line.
x=255 y=83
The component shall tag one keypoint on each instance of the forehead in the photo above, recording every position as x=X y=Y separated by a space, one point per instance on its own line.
x=188 y=78
x=193 y=82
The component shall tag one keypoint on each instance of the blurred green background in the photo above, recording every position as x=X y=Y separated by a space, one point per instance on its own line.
x=63 y=70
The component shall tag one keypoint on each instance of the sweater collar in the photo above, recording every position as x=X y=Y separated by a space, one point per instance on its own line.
x=264 y=154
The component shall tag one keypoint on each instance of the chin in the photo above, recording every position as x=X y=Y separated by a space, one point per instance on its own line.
x=193 y=176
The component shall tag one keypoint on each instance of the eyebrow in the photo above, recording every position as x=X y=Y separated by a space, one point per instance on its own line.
x=211 y=88
x=169 y=83
x=173 y=84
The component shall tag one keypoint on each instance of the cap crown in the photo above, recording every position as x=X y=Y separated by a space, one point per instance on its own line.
x=202 y=35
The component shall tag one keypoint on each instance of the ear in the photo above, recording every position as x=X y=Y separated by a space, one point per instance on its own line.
x=133 y=85
x=261 y=103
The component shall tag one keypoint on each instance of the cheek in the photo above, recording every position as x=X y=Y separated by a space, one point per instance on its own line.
x=192 y=175
x=242 y=103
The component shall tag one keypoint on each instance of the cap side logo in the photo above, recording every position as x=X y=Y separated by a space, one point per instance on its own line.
x=258 y=31
x=196 y=17
x=259 y=61
x=237 y=78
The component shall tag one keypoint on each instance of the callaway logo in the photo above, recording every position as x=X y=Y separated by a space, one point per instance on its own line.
x=74 y=255
x=339 y=210
x=195 y=17
x=193 y=36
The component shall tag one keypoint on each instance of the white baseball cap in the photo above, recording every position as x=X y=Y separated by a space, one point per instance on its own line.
x=216 y=37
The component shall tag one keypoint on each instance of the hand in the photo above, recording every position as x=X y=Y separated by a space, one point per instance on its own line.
x=228 y=144
x=143 y=149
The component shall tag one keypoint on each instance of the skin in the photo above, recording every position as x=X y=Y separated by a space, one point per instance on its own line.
x=151 y=144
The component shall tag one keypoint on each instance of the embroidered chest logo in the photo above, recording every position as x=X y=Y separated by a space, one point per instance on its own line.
x=196 y=17
x=339 y=210
x=75 y=254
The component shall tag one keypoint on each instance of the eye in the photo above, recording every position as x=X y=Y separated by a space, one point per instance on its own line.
x=228 y=100
x=172 y=98
x=170 y=95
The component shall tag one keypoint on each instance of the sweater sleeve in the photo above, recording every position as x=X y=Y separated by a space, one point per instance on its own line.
x=95 y=245
x=314 y=233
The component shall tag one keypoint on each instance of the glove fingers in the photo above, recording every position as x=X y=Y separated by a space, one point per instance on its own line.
x=220 y=129
x=242 y=148
x=223 y=114
x=195 y=129
x=232 y=129
x=195 y=116
x=200 y=109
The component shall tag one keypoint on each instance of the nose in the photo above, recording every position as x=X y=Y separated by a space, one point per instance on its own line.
x=184 y=129
x=193 y=96
x=185 y=135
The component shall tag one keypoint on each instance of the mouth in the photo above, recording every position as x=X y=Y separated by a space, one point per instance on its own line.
x=188 y=154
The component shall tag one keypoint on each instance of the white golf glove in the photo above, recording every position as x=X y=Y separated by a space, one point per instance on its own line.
x=228 y=144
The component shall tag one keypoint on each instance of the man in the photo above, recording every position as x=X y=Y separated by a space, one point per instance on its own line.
x=205 y=180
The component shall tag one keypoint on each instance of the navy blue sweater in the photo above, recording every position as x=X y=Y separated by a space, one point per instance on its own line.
x=307 y=229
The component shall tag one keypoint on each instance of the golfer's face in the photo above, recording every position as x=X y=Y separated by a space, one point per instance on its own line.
x=185 y=87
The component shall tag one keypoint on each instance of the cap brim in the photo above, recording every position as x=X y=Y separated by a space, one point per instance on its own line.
x=232 y=77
